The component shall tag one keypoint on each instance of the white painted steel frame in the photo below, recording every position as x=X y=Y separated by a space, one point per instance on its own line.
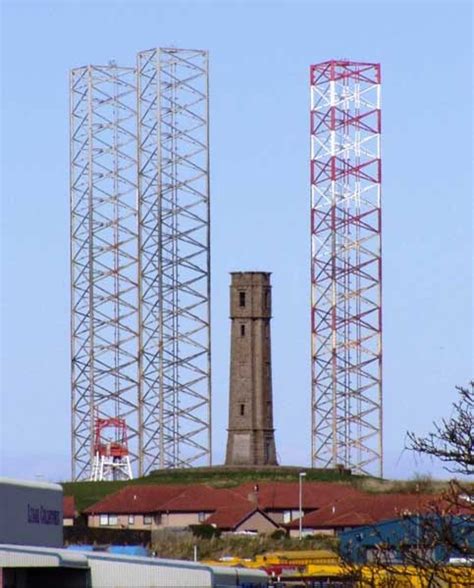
x=105 y=468
x=104 y=256
x=175 y=366
x=346 y=273
x=140 y=258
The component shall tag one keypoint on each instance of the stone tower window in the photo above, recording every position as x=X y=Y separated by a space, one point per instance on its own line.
x=242 y=299
x=242 y=330
x=242 y=409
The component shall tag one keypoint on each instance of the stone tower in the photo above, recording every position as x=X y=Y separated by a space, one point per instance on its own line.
x=251 y=438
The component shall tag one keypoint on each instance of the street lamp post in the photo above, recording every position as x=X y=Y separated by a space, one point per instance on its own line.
x=301 y=476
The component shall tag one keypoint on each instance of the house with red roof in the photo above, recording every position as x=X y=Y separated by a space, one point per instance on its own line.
x=242 y=519
x=261 y=507
x=356 y=511
x=280 y=500
x=134 y=507
x=160 y=506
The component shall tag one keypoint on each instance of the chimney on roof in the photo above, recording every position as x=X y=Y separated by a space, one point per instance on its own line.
x=252 y=497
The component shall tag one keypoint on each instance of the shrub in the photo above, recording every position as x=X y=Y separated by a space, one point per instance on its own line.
x=205 y=531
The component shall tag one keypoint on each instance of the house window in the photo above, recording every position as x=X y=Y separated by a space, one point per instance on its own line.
x=202 y=516
x=108 y=520
x=287 y=516
x=147 y=519
x=242 y=330
x=242 y=299
x=242 y=409
x=131 y=519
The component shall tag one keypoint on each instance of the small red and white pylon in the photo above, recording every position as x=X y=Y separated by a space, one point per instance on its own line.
x=111 y=459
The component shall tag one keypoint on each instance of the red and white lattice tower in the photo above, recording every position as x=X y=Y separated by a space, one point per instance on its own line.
x=346 y=277
x=111 y=457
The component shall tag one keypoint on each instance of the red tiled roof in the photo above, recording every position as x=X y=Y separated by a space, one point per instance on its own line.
x=364 y=509
x=202 y=498
x=69 y=507
x=285 y=495
x=230 y=517
x=167 y=498
x=135 y=499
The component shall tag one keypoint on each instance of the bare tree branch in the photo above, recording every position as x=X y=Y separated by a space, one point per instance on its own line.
x=453 y=439
x=442 y=529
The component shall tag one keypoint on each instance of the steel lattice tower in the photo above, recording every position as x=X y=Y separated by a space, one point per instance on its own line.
x=173 y=140
x=346 y=318
x=140 y=258
x=104 y=256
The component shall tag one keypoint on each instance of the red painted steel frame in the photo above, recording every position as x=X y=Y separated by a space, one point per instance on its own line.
x=346 y=319
x=116 y=448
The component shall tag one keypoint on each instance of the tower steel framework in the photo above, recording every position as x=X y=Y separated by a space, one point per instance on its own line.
x=346 y=276
x=104 y=257
x=140 y=258
x=173 y=160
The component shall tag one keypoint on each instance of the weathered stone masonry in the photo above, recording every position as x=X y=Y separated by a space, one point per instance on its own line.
x=251 y=438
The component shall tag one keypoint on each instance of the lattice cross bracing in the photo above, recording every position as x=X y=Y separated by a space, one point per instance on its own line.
x=140 y=257
x=346 y=278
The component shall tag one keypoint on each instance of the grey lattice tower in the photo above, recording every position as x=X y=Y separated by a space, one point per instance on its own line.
x=251 y=438
x=140 y=259
x=104 y=258
x=174 y=231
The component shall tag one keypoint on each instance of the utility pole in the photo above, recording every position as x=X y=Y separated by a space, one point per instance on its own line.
x=301 y=476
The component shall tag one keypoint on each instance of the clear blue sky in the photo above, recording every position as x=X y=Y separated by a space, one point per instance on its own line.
x=260 y=53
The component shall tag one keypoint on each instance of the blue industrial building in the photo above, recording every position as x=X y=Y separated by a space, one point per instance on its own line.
x=410 y=534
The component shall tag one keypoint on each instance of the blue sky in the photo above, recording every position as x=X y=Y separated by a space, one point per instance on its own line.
x=260 y=55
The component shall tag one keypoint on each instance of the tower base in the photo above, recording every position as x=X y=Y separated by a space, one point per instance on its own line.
x=251 y=447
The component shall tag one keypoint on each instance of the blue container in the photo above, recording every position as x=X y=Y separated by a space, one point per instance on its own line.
x=128 y=550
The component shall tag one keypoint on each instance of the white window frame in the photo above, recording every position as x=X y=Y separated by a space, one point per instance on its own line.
x=287 y=516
